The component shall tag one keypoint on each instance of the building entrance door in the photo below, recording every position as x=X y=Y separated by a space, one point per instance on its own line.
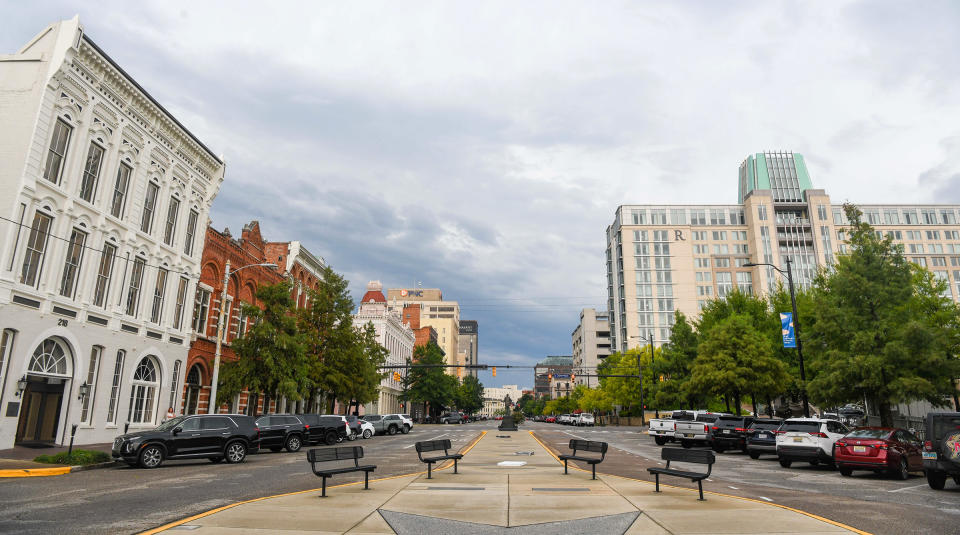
x=40 y=412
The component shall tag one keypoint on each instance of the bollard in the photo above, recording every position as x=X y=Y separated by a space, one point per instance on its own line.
x=126 y=427
x=73 y=433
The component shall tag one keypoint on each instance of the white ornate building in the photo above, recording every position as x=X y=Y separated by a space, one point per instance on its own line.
x=392 y=334
x=105 y=199
x=493 y=398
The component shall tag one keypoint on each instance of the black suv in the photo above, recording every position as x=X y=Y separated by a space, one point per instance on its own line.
x=941 y=448
x=730 y=432
x=278 y=431
x=325 y=428
x=214 y=436
x=762 y=437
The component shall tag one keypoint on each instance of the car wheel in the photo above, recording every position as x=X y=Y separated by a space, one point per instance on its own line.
x=785 y=463
x=754 y=454
x=936 y=480
x=294 y=443
x=814 y=463
x=352 y=436
x=152 y=456
x=686 y=444
x=902 y=472
x=845 y=471
x=367 y=433
x=236 y=452
x=406 y=429
x=660 y=440
x=330 y=438
x=392 y=430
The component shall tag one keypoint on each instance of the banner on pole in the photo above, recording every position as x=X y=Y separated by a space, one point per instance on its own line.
x=786 y=328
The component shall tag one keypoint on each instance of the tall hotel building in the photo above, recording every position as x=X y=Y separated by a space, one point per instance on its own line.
x=677 y=257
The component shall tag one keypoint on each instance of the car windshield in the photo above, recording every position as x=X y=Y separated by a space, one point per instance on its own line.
x=730 y=421
x=170 y=424
x=709 y=418
x=869 y=433
x=800 y=427
x=766 y=425
x=683 y=415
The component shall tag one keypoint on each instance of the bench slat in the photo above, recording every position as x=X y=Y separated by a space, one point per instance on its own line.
x=588 y=445
x=319 y=455
x=682 y=455
x=433 y=445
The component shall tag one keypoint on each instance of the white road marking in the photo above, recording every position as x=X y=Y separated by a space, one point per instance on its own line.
x=734 y=488
x=434 y=438
x=574 y=436
x=765 y=498
x=908 y=488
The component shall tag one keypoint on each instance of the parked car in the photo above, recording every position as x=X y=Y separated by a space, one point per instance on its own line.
x=407 y=418
x=550 y=419
x=355 y=430
x=451 y=418
x=730 y=433
x=585 y=419
x=366 y=429
x=696 y=431
x=387 y=424
x=880 y=449
x=762 y=437
x=941 y=449
x=326 y=428
x=212 y=436
x=662 y=429
x=278 y=431
x=808 y=439
x=406 y=422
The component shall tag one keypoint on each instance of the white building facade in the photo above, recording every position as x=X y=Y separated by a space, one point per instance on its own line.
x=591 y=344
x=396 y=336
x=105 y=198
x=493 y=399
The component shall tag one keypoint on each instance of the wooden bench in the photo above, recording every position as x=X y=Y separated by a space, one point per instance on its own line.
x=437 y=445
x=322 y=455
x=681 y=455
x=585 y=445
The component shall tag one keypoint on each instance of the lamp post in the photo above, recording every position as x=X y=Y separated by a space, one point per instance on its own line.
x=212 y=405
x=796 y=328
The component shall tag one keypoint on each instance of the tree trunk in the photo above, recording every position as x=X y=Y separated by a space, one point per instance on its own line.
x=726 y=399
x=753 y=401
x=769 y=406
x=956 y=399
x=886 y=413
x=736 y=402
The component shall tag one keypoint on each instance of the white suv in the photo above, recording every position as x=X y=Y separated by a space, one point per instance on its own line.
x=808 y=439
x=585 y=419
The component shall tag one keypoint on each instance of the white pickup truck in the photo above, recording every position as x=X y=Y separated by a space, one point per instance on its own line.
x=662 y=429
x=696 y=431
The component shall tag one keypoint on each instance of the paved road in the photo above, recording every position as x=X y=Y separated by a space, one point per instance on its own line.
x=866 y=501
x=129 y=500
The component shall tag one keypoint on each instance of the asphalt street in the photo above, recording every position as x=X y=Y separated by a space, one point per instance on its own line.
x=130 y=500
x=870 y=502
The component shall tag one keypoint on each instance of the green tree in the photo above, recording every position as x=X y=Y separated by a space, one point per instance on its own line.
x=428 y=383
x=677 y=357
x=735 y=359
x=469 y=395
x=271 y=356
x=363 y=362
x=595 y=400
x=882 y=331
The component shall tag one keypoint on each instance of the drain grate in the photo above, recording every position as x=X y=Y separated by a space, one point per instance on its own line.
x=504 y=436
x=523 y=453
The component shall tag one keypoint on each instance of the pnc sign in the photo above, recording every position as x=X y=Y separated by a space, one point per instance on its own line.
x=411 y=293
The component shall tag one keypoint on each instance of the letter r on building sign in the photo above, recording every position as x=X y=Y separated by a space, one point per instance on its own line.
x=678 y=235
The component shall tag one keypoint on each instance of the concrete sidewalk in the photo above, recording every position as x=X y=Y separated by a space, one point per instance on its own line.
x=488 y=497
x=18 y=461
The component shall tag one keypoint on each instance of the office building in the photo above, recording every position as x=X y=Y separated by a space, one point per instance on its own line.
x=591 y=344
x=443 y=316
x=106 y=197
x=551 y=377
x=664 y=258
x=494 y=399
x=468 y=344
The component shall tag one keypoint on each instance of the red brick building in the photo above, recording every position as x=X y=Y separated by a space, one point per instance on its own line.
x=217 y=249
x=424 y=335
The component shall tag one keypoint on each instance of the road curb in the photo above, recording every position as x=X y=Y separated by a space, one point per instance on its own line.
x=36 y=472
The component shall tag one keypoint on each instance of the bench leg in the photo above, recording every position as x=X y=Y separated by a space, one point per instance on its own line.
x=658 y=482
x=564 y=466
x=366 y=480
x=594 y=466
x=455 y=466
x=323 y=493
x=700 y=485
x=429 y=473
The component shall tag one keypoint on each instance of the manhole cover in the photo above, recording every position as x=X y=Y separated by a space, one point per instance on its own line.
x=504 y=436
x=523 y=453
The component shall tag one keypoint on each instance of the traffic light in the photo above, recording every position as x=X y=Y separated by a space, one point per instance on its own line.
x=573 y=377
x=494 y=371
x=397 y=377
x=460 y=372
x=549 y=377
x=661 y=377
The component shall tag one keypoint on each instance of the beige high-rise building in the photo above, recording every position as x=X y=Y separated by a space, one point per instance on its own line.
x=663 y=258
x=591 y=344
x=443 y=316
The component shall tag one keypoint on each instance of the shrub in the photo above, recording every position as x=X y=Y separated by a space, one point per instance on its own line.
x=77 y=458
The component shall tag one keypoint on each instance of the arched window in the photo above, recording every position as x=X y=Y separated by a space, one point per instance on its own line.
x=192 y=397
x=50 y=358
x=146 y=382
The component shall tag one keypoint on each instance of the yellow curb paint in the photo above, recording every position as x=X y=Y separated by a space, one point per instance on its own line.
x=232 y=505
x=36 y=472
x=811 y=515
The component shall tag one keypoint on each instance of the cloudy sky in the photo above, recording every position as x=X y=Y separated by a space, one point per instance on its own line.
x=483 y=147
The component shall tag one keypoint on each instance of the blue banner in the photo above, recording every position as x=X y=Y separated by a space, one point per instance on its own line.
x=786 y=328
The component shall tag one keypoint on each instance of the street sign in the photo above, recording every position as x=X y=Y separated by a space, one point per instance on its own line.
x=786 y=328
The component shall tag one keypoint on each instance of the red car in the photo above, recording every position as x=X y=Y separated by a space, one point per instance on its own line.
x=881 y=449
x=551 y=419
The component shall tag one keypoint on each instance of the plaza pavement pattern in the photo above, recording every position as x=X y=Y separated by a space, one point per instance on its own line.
x=486 y=497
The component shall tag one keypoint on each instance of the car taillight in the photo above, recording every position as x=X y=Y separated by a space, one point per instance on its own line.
x=674 y=426
x=778 y=432
x=715 y=428
x=841 y=444
x=928 y=445
x=882 y=446
x=741 y=430
x=821 y=435
x=306 y=427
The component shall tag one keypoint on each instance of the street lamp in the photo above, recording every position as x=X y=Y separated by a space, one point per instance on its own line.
x=796 y=327
x=212 y=408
